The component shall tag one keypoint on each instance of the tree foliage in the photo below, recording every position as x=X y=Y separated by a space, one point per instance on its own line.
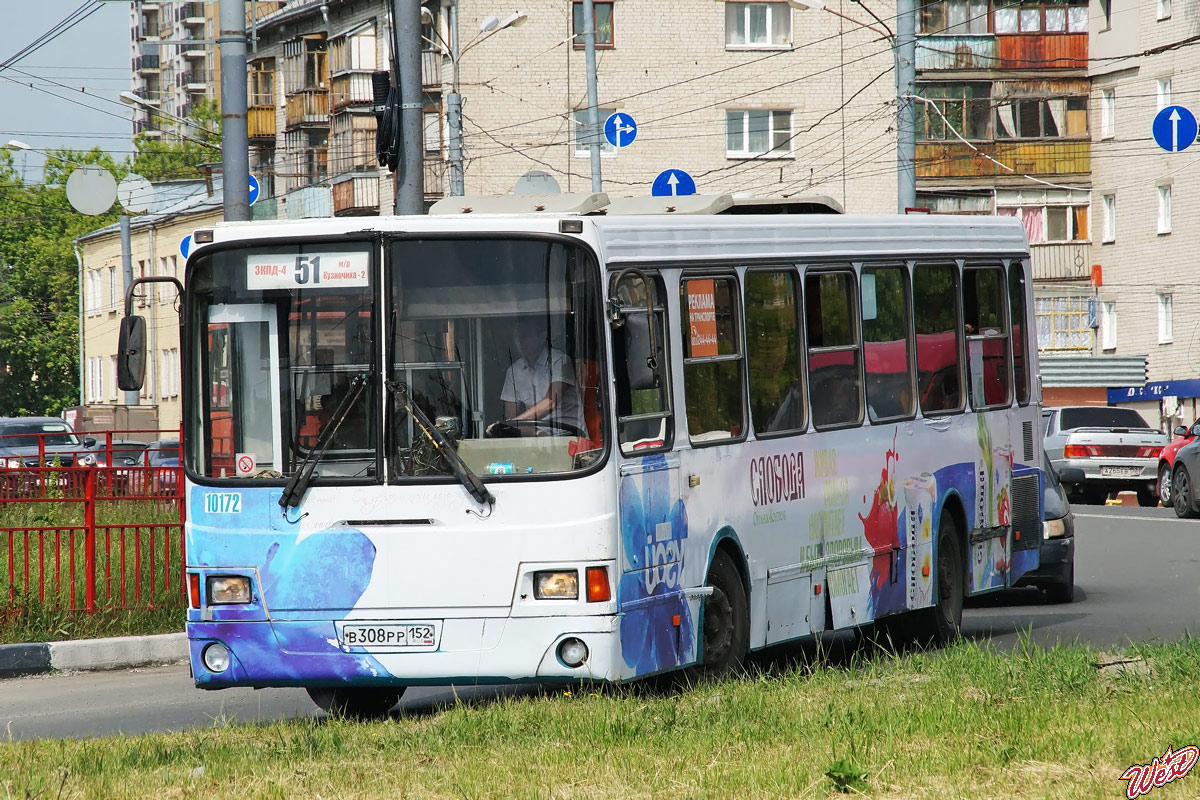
x=176 y=157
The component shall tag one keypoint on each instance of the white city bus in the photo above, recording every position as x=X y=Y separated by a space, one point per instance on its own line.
x=763 y=427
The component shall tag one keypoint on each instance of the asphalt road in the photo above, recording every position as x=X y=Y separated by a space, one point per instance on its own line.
x=1135 y=576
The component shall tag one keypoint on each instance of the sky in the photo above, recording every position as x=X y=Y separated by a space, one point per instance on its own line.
x=91 y=61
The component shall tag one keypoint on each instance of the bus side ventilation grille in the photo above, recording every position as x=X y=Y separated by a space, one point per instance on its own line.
x=1025 y=497
x=1027 y=440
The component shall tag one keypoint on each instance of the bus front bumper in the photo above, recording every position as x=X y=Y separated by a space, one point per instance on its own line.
x=492 y=650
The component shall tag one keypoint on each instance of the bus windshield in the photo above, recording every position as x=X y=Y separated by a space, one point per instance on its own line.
x=497 y=342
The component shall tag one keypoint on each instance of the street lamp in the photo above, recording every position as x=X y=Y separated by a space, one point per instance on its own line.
x=13 y=144
x=904 y=51
x=489 y=26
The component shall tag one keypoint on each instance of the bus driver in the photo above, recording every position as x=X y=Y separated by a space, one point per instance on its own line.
x=540 y=385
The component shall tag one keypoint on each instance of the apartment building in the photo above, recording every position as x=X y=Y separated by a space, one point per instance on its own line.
x=1147 y=198
x=174 y=60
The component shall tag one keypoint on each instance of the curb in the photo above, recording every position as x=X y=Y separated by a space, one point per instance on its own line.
x=120 y=652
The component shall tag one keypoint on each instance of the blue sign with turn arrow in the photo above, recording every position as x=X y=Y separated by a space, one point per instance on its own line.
x=620 y=130
x=1174 y=128
x=673 y=183
x=254 y=189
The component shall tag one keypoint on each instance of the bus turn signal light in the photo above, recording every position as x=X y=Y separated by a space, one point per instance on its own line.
x=194 y=589
x=598 y=590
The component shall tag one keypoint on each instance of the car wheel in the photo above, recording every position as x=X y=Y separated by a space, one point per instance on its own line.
x=1147 y=498
x=1164 y=485
x=1063 y=591
x=1181 y=493
x=359 y=703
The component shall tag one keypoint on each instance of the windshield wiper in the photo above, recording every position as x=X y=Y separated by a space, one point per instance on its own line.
x=297 y=485
x=443 y=445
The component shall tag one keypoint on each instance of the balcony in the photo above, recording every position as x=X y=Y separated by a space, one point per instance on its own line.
x=1042 y=51
x=435 y=177
x=1061 y=261
x=260 y=121
x=307 y=107
x=351 y=88
x=357 y=195
x=953 y=159
x=956 y=52
x=147 y=63
x=309 y=201
x=194 y=51
x=192 y=13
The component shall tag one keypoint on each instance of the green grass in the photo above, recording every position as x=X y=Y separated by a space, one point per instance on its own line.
x=965 y=722
x=147 y=601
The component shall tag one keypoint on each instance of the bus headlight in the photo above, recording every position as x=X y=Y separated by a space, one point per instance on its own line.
x=216 y=657
x=228 y=589
x=556 y=585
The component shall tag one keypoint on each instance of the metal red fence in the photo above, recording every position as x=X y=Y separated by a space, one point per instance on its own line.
x=92 y=530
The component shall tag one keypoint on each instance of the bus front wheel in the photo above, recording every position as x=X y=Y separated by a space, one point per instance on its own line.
x=356 y=703
x=726 y=619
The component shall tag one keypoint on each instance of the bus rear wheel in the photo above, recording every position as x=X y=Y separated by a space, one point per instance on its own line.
x=360 y=703
x=726 y=619
x=944 y=621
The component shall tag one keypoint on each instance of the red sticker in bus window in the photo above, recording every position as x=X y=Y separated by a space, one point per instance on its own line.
x=702 y=317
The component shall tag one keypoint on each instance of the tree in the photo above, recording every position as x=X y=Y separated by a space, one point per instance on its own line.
x=178 y=158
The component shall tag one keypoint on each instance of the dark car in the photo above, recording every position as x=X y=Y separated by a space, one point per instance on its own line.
x=1055 y=574
x=1185 y=495
x=163 y=459
x=29 y=445
x=1166 y=459
x=118 y=462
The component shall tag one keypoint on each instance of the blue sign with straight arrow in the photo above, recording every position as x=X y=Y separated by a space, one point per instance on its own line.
x=673 y=183
x=1174 y=129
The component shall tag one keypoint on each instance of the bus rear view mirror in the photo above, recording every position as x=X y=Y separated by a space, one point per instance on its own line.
x=131 y=354
x=640 y=362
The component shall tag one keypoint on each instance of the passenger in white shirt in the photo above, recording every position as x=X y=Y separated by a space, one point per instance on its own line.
x=540 y=385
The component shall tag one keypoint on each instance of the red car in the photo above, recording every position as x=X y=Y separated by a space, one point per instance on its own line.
x=1166 y=459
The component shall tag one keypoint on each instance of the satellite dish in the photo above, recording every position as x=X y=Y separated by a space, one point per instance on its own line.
x=91 y=190
x=135 y=193
x=536 y=182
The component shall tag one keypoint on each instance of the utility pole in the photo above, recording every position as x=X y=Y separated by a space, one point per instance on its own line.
x=593 y=114
x=235 y=138
x=905 y=46
x=406 y=36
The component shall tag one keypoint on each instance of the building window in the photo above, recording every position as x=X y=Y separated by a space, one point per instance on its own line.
x=169 y=373
x=955 y=109
x=758 y=133
x=1110 y=218
x=1163 y=92
x=603 y=11
x=1164 y=9
x=758 y=25
x=352 y=145
x=1063 y=323
x=112 y=289
x=1042 y=118
x=954 y=16
x=580 y=118
x=1164 y=209
x=147 y=392
x=306 y=63
x=261 y=83
x=353 y=51
x=1165 y=322
x=1108 y=113
x=1017 y=16
x=432 y=136
x=1050 y=223
x=1108 y=326
x=112 y=392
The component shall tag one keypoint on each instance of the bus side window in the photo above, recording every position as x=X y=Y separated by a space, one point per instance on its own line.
x=1016 y=304
x=986 y=327
x=834 y=363
x=773 y=352
x=887 y=349
x=712 y=359
x=935 y=310
x=643 y=393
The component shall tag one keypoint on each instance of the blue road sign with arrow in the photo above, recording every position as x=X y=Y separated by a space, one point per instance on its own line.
x=254 y=189
x=1174 y=129
x=620 y=130
x=673 y=183
x=185 y=245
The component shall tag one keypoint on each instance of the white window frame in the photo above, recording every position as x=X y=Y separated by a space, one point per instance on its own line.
x=1166 y=318
x=1164 y=209
x=1110 y=218
x=1108 y=325
x=1108 y=113
x=1162 y=92
x=112 y=392
x=1163 y=9
x=772 y=132
x=113 y=298
x=581 y=148
x=770 y=9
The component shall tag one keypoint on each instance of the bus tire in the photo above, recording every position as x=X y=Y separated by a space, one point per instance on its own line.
x=361 y=703
x=944 y=621
x=726 y=619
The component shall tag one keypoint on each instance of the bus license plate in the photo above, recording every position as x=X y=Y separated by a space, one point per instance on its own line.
x=1120 y=472
x=385 y=636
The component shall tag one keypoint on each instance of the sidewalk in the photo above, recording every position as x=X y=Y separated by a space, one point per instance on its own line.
x=118 y=652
